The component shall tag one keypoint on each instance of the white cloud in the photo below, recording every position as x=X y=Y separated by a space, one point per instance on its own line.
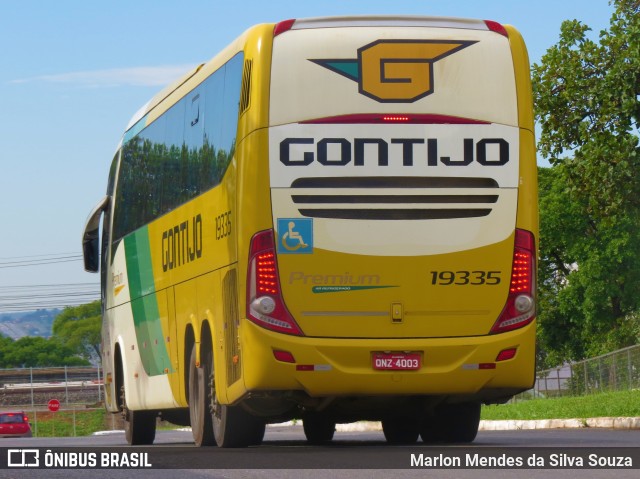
x=135 y=76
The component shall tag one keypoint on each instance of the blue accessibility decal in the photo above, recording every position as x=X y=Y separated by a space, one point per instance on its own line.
x=295 y=235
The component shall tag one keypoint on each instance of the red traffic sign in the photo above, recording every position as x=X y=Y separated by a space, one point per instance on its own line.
x=53 y=405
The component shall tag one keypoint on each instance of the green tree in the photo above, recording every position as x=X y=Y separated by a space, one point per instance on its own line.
x=35 y=351
x=6 y=344
x=78 y=327
x=586 y=96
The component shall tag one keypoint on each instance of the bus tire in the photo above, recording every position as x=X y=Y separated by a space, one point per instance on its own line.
x=139 y=426
x=200 y=398
x=452 y=423
x=234 y=427
x=318 y=428
x=400 y=430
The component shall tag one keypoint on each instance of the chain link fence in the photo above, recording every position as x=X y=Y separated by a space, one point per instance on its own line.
x=35 y=387
x=77 y=389
x=616 y=371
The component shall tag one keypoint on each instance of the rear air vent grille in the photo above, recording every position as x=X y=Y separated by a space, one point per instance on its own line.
x=245 y=93
x=387 y=198
x=231 y=323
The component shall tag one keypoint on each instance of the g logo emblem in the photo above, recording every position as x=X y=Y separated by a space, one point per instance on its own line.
x=395 y=71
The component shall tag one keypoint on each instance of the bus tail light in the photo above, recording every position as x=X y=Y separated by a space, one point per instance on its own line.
x=283 y=26
x=265 y=305
x=496 y=27
x=520 y=308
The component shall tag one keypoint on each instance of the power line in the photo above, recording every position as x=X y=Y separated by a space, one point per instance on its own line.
x=54 y=259
x=33 y=256
x=30 y=297
x=20 y=298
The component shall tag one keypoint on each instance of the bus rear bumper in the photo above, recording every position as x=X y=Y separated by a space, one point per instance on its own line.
x=323 y=367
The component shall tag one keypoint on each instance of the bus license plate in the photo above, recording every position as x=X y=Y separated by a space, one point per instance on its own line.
x=396 y=361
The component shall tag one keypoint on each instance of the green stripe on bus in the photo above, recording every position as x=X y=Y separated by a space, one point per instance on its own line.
x=144 y=304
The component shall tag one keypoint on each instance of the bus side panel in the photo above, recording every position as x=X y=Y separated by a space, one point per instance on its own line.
x=254 y=214
x=210 y=311
x=523 y=78
x=139 y=325
x=527 y=217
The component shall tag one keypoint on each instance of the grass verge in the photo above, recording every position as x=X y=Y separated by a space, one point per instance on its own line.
x=67 y=423
x=609 y=404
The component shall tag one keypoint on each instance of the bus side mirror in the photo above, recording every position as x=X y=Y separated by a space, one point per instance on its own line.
x=91 y=237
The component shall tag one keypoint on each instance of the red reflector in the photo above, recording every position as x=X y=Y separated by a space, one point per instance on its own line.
x=496 y=27
x=487 y=366
x=284 y=356
x=506 y=354
x=283 y=26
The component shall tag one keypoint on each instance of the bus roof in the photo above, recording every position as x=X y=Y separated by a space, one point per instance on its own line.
x=390 y=20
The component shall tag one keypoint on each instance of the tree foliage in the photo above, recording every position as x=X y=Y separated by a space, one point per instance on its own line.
x=78 y=327
x=36 y=351
x=586 y=95
x=76 y=338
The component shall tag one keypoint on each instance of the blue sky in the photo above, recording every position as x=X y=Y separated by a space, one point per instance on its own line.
x=73 y=72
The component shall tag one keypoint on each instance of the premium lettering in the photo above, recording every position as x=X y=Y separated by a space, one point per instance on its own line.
x=333 y=279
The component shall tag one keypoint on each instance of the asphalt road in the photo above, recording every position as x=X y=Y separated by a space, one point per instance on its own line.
x=356 y=455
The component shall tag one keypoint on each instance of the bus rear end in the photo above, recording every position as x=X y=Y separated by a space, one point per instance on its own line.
x=398 y=281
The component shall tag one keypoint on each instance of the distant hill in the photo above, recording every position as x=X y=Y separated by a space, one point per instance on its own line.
x=29 y=323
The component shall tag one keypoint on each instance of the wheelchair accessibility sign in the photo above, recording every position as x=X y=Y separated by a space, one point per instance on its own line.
x=295 y=235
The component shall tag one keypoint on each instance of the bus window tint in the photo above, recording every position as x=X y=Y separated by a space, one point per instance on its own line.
x=182 y=154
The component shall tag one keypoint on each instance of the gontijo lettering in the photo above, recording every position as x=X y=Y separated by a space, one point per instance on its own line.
x=182 y=244
x=342 y=151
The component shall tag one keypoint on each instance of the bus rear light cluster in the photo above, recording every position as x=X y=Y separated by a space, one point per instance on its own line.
x=265 y=305
x=496 y=27
x=520 y=307
x=283 y=26
x=267 y=281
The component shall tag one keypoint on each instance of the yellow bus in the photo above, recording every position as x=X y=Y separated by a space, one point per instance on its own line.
x=333 y=220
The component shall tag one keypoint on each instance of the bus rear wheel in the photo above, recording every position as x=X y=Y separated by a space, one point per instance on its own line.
x=318 y=428
x=452 y=423
x=139 y=426
x=234 y=427
x=400 y=429
x=200 y=398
